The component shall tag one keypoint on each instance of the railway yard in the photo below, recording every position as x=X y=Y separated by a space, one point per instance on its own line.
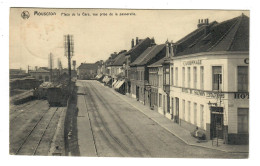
x=35 y=128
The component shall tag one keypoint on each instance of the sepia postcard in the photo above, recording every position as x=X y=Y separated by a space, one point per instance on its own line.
x=129 y=83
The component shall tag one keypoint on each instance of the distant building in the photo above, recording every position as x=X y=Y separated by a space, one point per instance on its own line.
x=135 y=51
x=140 y=74
x=117 y=67
x=87 y=71
x=17 y=73
x=41 y=74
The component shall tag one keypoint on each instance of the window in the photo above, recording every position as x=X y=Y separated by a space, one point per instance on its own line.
x=195 y=113
x=183 y=77
x=202 y=77
x=166 y=78
x=172 y=105
x=156 y=98
x=195 y=77
x=216 y=77
x=40 y=77
x=160 y=80
x=242 y=78
x=202 y=116
x=160 y=100
x=183 y=109
x=163 y=103
x=188 y=77
x=172 y=76
x=46 y=78
x=242 y=120
x=189 y=111
x=176 y=76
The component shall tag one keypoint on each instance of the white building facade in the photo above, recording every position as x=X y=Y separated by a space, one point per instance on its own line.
x=211 y=91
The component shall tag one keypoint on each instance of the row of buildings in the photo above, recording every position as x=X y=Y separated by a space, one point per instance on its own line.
x=45 y=74
x=202 y=80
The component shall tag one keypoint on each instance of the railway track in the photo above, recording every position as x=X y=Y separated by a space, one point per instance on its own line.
x=117 y=141
x=33 y=139
x=26 y=108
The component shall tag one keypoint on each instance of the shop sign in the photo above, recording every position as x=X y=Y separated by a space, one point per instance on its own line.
x=241 y=95
x=214 y=95
x=192 y=62
x=199 y=92
x=216 y=110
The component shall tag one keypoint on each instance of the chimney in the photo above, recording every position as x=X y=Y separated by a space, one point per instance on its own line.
x=172 y=53
x=137 y=41
x=152 y=42
x=132 y=43
x=167 y=49
x=202 y=22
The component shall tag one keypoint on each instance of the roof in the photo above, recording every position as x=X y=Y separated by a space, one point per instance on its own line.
x=147 y=55
x=139 y=48
x=88 y=66
x=119 y=60
x=158 y=63
x=230 y=35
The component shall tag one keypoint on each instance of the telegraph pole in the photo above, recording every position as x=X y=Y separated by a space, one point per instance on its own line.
x=51 y=75
x=69 y=51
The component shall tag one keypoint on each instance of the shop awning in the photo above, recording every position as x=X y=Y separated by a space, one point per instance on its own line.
x=118 y=81
x=99 y=76
x=113 y=84
x=107 y=80
x=119 y=84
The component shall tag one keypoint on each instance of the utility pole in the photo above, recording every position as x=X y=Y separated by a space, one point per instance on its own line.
x=69 y=52
x=51 y=76
x=28 y=69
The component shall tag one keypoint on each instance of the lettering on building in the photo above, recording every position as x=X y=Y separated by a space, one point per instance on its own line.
x=192 y=62
x=241 y=95
x=199 y=92
x=214 y=95
x=246 y=61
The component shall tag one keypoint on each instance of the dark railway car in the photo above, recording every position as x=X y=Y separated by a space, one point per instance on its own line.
x=41 y=91
x=57 y=96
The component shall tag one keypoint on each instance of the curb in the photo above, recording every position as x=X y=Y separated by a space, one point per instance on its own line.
x=174 y=133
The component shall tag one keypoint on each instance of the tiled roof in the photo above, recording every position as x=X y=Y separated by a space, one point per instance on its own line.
x=119 y=60
x=139 y=48
x=148 y=54
x=158 y=63
x=230 y=35
x=88 y=66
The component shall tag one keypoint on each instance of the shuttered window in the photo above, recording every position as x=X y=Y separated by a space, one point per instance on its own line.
x=242 y=78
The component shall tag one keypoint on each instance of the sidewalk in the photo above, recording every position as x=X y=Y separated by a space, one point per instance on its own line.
x=179 y=131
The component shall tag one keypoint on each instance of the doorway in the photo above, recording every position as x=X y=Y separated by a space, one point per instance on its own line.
x=216 y=125
x=176 y=110
x=137 y=93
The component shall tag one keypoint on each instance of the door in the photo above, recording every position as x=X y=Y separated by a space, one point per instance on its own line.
x=164 y=104
x=137 y=93
x=168 y=103
x=216 y=129
x=177 y=110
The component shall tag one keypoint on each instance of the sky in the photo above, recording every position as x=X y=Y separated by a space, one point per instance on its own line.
x=96 y=37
